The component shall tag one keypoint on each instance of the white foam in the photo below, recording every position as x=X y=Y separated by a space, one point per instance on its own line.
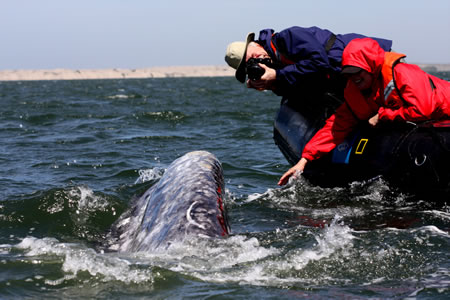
x=269 y=194
x=149 y=175
x=5 y=248
x=431 y=229
x=77 y=258
x=210 y=254
x=444 y=215
x=119 y=96
x=262 y=266
x=86 y=201
x=335 y=237
x=244 y=260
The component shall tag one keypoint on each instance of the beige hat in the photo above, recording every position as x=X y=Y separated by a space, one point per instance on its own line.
x=235 y=56
x=350 y=70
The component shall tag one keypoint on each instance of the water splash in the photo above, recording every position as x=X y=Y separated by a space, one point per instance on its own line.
x=149 y=175
x=76 y=258
x=85 y=200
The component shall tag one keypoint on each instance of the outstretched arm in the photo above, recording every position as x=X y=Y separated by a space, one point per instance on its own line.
x=336 y=128
x=297 y=169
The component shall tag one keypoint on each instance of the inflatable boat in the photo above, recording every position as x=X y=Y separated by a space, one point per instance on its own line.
x=412 y=157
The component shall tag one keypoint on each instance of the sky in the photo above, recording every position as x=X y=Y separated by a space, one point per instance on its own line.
x=98 y=34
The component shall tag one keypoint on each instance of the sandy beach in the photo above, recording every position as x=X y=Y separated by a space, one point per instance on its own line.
x=153 y=72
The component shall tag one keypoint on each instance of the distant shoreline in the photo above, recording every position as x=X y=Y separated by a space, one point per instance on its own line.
x=153 y=72
x=435 y=67
x=81 y=74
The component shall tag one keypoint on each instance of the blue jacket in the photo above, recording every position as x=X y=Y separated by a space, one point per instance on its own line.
x=310 y=64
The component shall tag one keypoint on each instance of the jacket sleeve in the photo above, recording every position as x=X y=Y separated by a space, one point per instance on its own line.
x=415 y=88
x=334 y=132
x=302 y=47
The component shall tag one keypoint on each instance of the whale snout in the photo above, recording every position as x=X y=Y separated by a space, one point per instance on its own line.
x=188 y=200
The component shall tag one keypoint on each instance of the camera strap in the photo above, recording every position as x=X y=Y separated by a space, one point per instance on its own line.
x=330 y=42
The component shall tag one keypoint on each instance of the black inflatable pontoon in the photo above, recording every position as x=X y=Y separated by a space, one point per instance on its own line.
x=413 y=157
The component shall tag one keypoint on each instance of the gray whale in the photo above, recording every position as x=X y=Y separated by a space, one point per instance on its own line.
x=186 y=201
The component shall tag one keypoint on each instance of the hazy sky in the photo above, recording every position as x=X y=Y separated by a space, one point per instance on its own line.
x=42 y=34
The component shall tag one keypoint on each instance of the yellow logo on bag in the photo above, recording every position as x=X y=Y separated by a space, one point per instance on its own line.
x=361 y=145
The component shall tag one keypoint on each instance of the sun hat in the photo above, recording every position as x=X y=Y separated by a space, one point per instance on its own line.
x=235 y=56
x=350 y=70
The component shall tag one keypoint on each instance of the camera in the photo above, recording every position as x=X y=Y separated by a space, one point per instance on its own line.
x=253 y=70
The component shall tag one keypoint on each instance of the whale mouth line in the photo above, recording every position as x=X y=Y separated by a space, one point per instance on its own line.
x=189 y=218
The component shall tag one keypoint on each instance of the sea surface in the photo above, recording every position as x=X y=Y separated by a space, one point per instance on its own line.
x=73 y=155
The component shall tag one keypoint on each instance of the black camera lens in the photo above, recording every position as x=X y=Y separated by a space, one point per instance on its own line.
x=254 y=70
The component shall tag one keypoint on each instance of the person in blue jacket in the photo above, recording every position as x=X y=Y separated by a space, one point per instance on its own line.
x=296 y=62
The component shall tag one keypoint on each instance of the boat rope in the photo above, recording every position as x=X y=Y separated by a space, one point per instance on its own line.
x=403 y=138
x=420 y=160
x=429 y=129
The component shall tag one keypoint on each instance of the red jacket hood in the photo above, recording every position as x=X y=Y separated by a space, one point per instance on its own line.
x=365 y=54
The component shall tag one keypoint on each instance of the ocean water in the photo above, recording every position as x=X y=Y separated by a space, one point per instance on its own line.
x=75 y=153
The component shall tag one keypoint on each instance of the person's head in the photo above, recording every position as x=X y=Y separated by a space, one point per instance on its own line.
x=360 y=77
x=362 y=60
x=238 y=53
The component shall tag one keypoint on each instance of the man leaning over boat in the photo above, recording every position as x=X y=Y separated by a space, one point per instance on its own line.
x=300 y=64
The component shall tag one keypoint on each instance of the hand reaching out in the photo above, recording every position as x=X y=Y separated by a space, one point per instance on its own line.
x=374 y=120
x=299 y=167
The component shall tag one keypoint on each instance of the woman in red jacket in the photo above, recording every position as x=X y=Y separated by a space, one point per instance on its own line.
x=380 y=87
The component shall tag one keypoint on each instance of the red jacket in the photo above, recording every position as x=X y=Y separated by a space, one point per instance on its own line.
x=400 y=91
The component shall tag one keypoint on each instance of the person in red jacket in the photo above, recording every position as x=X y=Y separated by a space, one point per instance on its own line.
x=380 y=88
